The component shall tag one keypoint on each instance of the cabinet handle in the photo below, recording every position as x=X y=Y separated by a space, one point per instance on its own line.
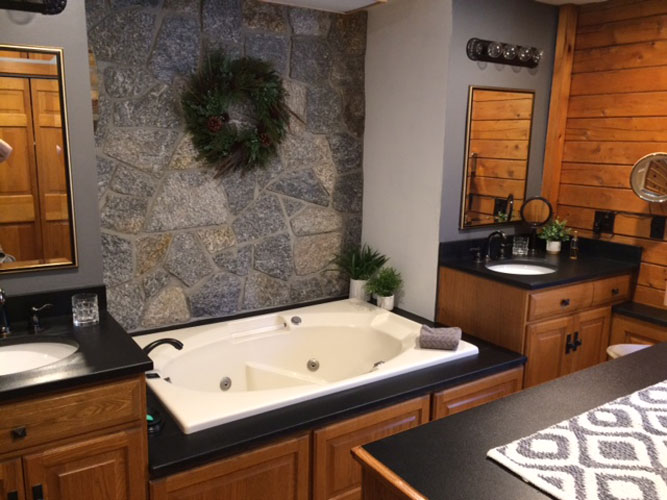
x=13 y=495
x=569 y=346
x=19 y=433
x=37 y=492
x=577 y=342
x=565 y=302
x=615 y=291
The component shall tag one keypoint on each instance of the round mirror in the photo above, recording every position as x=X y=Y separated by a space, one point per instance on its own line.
x=536 y=211
x=649 y=178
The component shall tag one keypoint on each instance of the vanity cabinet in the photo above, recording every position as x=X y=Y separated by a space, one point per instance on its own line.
x=76 y=445
x=626 y=330
x=280 y=471
x=336 y=475
x=560 y=330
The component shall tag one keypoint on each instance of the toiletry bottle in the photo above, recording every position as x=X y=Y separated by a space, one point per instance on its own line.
x=574 y=247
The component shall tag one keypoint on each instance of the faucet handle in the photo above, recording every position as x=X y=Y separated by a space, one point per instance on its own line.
x=477 y=254
x=34 y=317
x=3 y=297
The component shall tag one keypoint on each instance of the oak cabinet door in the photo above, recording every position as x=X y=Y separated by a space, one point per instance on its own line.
x=11 y=480
x=591 y=328
x=335 y=473
x=545 y=350
x=111 y=467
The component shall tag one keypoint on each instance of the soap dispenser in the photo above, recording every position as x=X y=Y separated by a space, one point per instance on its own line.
x=574 y=247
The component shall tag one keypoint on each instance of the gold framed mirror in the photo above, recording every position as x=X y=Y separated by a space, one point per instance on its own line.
x=37 y=229
x=496 y=155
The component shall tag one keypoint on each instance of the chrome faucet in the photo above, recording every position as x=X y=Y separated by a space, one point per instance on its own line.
x=4 y=320
x=502 y=244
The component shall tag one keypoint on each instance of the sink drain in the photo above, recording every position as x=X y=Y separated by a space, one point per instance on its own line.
x=313 y=365
x=225 y=384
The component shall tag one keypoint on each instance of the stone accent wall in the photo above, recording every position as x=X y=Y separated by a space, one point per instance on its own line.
x=177 y=243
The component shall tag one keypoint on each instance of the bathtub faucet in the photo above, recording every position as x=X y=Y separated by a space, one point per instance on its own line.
x=173 y=342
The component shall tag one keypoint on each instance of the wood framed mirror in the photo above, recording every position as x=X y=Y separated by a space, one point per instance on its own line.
x=37 y=229
x=496 y=156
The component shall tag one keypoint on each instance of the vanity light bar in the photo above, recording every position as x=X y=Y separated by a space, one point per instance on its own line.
x=503 y=53
x=49 y=7
x=335 y=6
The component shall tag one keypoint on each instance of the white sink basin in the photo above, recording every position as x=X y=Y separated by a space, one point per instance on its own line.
x=28 y=356
x=521 y=269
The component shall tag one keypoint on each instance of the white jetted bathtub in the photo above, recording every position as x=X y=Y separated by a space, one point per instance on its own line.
x=230 y=370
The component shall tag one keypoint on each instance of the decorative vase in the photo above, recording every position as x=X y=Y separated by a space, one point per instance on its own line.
x=358 y=290
x=553 y=247
x=386 y=302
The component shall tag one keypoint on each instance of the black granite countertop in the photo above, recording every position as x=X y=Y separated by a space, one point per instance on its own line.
x=642 y=312
x=568 y=271
x=172 y=451
x=105 y=352
x=597 y=259
x=446 y=459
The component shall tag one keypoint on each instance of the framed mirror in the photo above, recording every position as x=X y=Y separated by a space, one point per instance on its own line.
x=649 y=178
x=496 y=155
x=37 y=227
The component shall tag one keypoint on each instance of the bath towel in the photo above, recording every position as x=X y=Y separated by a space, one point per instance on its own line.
x=439 y=338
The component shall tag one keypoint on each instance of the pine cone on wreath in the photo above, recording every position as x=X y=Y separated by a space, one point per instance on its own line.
x=214 y=124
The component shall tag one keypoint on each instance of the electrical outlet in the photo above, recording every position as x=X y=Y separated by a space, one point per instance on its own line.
x=604 y=222
x=658 y=227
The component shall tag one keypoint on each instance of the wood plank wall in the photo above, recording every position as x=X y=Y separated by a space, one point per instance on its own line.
x=617 y=113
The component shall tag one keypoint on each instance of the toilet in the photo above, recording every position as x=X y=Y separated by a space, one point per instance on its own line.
x=618 y=350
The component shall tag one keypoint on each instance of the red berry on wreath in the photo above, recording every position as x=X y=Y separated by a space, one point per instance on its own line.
x=214 y=124
x=265 y=140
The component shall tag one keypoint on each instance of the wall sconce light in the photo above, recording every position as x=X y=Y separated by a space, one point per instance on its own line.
x=48 y=7
x=503 y=53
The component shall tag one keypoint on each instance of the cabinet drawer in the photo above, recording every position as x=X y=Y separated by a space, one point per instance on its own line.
x=560 y=301
x=611 y=290
x=28 y=423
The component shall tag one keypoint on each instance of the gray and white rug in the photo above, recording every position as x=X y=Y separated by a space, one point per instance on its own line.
x=617 y=451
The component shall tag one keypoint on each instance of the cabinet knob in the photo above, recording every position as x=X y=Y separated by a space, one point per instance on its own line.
x=565 y=302
x=19 y=433
x=615 y=291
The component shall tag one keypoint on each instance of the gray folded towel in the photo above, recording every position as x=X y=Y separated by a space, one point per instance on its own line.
x=439 y=338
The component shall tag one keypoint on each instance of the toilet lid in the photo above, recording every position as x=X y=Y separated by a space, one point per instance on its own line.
x=618 y=350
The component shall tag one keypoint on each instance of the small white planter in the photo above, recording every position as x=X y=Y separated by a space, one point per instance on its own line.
x=553 y=246
x=386 y=302
x=358 y=290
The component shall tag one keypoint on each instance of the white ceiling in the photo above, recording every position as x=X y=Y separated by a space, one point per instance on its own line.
x=563 y=2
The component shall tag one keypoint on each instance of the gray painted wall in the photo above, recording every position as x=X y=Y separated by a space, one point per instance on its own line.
x=66 y=30
x=523 y=22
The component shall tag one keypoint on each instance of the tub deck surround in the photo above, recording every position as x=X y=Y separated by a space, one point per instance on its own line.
x=642 y=312
x=446 y=459
x=172 y=451
x=232 y=370
x=105 y=352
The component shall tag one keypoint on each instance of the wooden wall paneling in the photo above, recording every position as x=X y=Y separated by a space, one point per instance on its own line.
x=621 y=10
x=592 y=174
x=623 y=32
x=560 y=94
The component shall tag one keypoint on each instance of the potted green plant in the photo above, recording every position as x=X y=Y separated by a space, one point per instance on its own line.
x=555 y=232
x=360 y=263
x=384 y=285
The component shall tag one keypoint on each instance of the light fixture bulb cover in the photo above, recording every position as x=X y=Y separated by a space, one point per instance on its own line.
x=503 y=53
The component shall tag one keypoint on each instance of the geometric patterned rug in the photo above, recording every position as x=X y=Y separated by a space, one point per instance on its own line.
x=617 y=451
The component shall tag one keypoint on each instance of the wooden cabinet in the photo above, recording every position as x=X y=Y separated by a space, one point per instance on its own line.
x=564 y=345
x=540 y=324
x=626 y=330
x=11 y=480
x=476 y=393
x=335 y=473
x=76 y=445
x=278 y=472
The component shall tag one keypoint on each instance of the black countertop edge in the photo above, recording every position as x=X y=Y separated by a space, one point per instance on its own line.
x=642 y=312
x=171 y=451
x=249 y=314
x=586 y=267
x=446 y=459
x=105 y=352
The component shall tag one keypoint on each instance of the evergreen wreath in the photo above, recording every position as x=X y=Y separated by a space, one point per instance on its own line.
x=222 y=82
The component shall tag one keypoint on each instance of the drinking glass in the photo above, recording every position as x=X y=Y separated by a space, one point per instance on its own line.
x=520 y=246
x=84 y=309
